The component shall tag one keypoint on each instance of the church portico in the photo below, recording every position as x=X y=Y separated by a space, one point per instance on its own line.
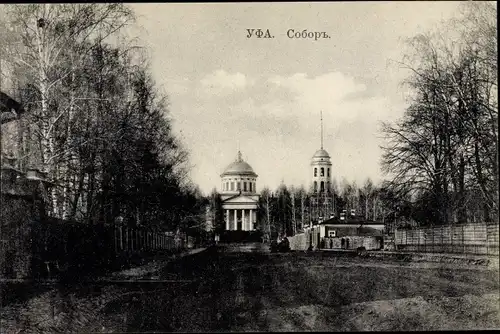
x=241 y=219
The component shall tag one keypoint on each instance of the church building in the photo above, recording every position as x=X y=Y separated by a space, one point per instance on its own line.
x=239 y=196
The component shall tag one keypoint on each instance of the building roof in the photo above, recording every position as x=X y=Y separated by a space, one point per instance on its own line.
x=239 y=167
x=9 y=108
x=350 y=220
x=321 y=153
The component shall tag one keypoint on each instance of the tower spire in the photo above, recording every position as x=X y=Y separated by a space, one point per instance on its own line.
x=239 y=156
x=321 y=113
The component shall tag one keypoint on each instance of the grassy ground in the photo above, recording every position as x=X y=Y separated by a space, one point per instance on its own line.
x=230 y=291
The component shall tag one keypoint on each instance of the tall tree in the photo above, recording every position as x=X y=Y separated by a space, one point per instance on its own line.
x=446 y=145
x=48 y=44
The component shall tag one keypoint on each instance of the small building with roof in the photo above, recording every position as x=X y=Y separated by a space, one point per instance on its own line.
x=239 y=196
x=355 y=226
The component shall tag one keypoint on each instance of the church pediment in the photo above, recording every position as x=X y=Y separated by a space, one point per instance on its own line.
x=241 y=199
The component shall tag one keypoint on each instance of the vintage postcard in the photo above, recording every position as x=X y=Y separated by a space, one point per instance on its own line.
x=242 y=167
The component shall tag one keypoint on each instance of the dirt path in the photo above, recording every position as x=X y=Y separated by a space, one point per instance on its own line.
x=231 y=291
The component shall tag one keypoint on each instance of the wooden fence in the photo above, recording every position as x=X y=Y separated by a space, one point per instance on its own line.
x=464 y=238
x=32 y=244
x=61 y=245
x=134 y=240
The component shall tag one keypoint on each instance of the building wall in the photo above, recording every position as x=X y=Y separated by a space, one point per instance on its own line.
x=318 y=177
x=21 y=208
x=341 y=231
x=15 y=247
x=238 y=183
x=303 y=240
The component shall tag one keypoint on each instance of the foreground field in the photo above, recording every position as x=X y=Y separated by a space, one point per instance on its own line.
x=255 y=291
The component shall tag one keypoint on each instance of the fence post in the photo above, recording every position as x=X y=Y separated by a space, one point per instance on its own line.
x=115 y=232
x=425 y=239
x=127 y=238
x=131 y=239
x=134 y=239
x=138 y=240
x=463 y=240
x=142 y=240
x=132 y=230
x=441 y=246
x=453 y=229
x=487 y=241
x=121 y=238
x=406 y=240
x=418 y=232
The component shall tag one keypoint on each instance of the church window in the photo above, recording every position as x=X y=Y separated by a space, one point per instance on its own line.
x=322 y=186
x=238 y=186
x=244 y=186
x=328 y=172
x=322 y=171
x=250 y=186
x=232 y=186
x=315 y=186
x=315 y=172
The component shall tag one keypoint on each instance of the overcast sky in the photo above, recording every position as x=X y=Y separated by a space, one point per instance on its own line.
x=265 y=95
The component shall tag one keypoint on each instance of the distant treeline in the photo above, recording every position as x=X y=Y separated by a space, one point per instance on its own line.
x=289 y=208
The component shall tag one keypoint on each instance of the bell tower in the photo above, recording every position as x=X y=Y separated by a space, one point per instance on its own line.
x=322 y=199
x=321 y=165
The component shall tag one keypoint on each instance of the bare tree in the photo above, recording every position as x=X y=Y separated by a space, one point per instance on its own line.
x=44 y=37
x=447 y=141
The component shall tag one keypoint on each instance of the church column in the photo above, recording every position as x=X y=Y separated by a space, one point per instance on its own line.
x=235 y=219
x=250 y=223
x=249 y=220
x=243 y=220
x=227 y=219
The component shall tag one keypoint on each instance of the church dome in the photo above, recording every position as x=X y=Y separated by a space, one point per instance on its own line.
x=239 y=167
x=321 y=154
